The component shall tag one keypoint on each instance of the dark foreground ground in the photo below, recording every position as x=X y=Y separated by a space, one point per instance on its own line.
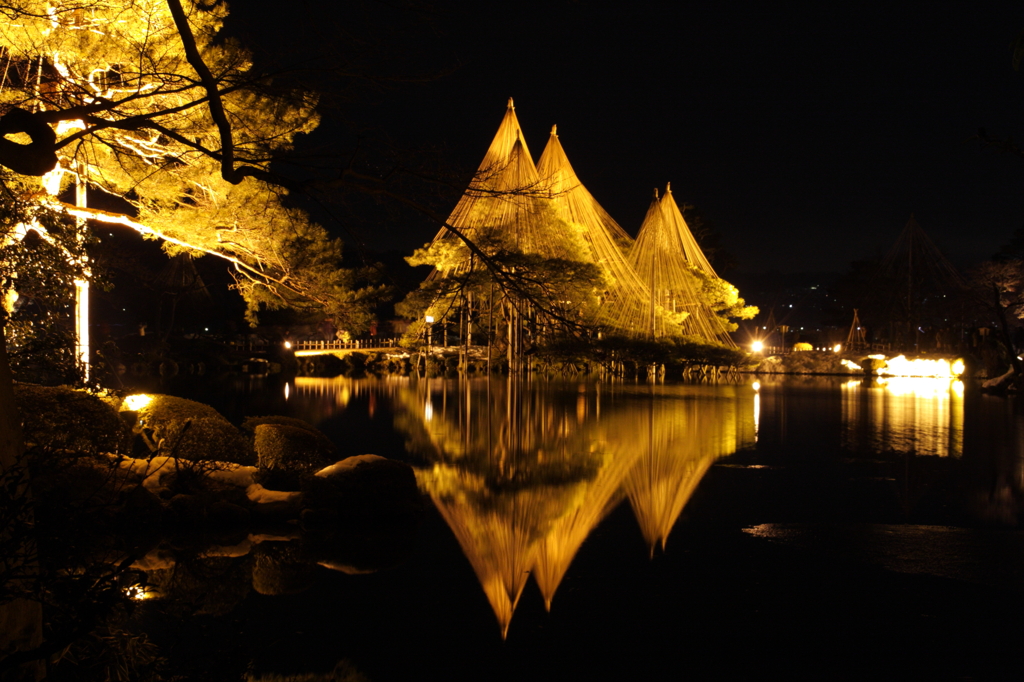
x=736 y=595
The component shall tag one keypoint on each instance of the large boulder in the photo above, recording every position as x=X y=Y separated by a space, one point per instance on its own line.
x=365 y=489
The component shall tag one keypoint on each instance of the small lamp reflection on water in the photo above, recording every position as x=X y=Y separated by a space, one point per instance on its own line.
x=757 y=407
x=920 y=415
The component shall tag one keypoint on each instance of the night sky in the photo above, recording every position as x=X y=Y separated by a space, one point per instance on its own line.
x=806 y=137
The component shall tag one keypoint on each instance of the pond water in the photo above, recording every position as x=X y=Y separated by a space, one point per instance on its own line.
x=817 y=528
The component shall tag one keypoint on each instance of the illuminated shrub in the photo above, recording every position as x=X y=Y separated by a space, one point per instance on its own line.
x=62 y=418
x=286 y=452
x=190 y=430
x=249 y=425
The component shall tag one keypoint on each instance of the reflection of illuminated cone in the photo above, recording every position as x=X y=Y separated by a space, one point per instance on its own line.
x=659 y=488
x=599 y=497
x=522 y=477
x=498 y=534
x=681 y=443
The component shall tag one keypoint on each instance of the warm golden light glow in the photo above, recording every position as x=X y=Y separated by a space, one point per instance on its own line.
x=921 y=367
x=136 y=402
x=911 y=415
x=139 y=593
x=82 y=324
x=288 y=345
x=850 y=364
x=757 y=346
x=571 y=464
x=924 y=387
x=837 y=348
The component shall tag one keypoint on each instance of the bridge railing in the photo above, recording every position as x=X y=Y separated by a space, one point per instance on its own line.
x=355 y=344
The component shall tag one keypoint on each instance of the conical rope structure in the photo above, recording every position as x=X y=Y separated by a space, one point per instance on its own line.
x=556 y=259
x=506 y=205
x=625 y=308
x=917 y=284
x=667 y=258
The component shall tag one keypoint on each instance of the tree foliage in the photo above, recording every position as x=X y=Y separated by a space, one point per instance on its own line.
x=146 y=101
x=498 y=277
x=42 y=254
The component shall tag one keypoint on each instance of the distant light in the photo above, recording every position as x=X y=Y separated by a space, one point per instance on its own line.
x=206 y=329
x=836 y=348
x=756 y=385
x=288 y=344
x=429 y=319
x=757 y=346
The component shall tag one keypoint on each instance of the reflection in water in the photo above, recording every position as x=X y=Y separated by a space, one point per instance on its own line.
x=522 y=472
x=909 y=415
x=681 y=440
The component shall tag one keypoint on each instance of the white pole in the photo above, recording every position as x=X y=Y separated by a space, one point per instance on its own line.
x=82 y=293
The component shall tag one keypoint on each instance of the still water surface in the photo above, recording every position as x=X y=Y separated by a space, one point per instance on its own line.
x=619 y=529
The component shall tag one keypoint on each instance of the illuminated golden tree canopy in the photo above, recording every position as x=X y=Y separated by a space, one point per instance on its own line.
x=145 y=101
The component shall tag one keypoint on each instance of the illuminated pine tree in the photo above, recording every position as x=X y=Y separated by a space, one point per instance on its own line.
x=109 y=94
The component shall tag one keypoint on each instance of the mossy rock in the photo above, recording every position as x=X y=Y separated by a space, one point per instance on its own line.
x=193 y=431
x=63 y=418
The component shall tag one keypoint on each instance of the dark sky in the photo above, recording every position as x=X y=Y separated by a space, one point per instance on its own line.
x=806 y=136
